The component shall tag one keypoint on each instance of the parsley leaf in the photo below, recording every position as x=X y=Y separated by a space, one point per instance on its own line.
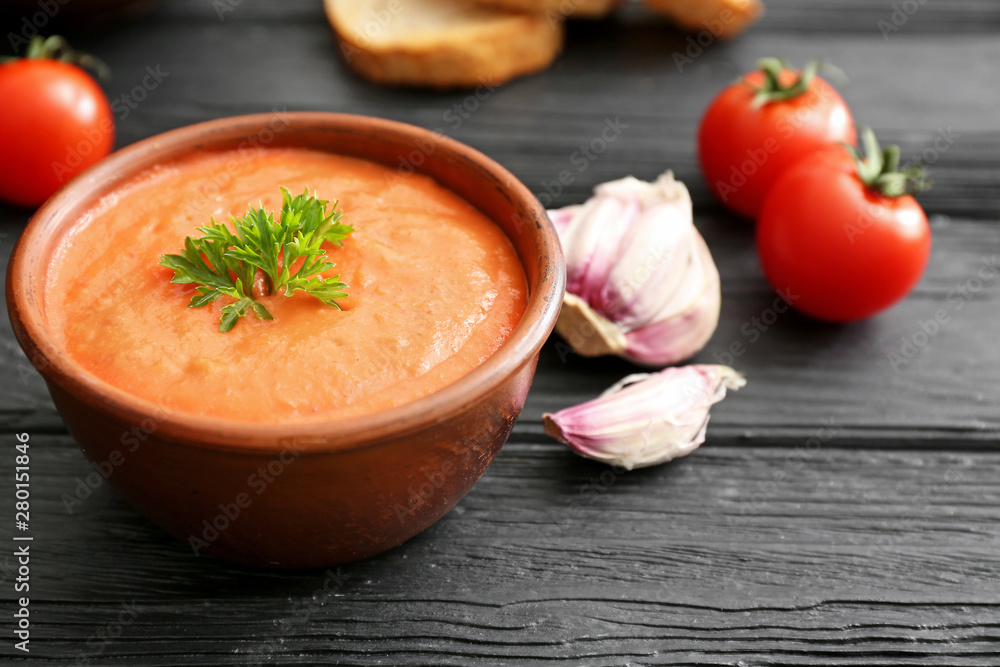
x=225 y=262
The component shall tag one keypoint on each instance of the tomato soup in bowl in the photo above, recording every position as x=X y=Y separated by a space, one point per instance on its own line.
x=318 y=435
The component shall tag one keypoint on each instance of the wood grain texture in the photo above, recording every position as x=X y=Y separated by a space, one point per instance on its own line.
x=843 y=512
x=767 y=555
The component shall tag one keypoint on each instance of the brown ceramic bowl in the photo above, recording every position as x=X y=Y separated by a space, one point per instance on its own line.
x=339 y=491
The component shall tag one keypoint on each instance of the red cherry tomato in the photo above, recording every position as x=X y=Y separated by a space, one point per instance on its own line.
x=745 y=147
x=836 y=248
x=55 y=121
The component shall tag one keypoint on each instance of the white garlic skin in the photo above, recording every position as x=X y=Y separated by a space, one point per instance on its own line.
x=645 y=419
x=641 y=282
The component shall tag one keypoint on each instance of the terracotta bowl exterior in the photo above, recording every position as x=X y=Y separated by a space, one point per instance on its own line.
x=298 y=495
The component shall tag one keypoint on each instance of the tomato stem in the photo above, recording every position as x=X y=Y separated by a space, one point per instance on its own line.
x=879 y=169
x=55 y=47
x=773 y=90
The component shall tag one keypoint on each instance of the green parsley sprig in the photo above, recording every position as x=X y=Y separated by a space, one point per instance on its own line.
x=224 y=263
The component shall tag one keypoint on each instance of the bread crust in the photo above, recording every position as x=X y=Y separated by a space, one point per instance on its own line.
x=723 y=18
x=586 y=9
x=464 y=56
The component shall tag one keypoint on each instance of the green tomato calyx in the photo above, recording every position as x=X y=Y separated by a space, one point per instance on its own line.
x=773 y=90
x=879 y=168
x=57 y=48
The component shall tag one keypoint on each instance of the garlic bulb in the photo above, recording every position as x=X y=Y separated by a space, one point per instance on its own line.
x=641 y=282
x=645 y=419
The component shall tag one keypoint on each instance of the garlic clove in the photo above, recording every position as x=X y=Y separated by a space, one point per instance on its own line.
x=562 y=217
x=596 y=226
x=638 y=273
x=686 y=323
x=589 y=333
x=604 y=260
x=663 y=189
x=647 y=418
x=650 y=266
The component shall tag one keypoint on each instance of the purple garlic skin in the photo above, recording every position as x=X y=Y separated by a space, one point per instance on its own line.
x=645 y=419
x=641 y=282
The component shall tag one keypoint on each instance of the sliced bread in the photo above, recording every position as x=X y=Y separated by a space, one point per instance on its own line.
x=723 y=18
x=585 y=9
x=441 y=43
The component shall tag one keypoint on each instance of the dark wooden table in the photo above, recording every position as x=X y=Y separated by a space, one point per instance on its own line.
x=843 y=511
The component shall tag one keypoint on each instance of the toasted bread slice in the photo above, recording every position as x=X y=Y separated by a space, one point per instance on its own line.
x=585 y=9
x=723 y=18
x=441 y=43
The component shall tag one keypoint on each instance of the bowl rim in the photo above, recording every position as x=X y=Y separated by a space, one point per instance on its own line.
x=25 y=306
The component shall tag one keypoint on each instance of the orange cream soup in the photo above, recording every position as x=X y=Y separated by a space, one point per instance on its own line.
x=435 y=288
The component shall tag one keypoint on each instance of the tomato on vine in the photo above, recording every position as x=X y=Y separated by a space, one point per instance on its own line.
x=760 y=126
x=55 y=121
x=842 y=236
